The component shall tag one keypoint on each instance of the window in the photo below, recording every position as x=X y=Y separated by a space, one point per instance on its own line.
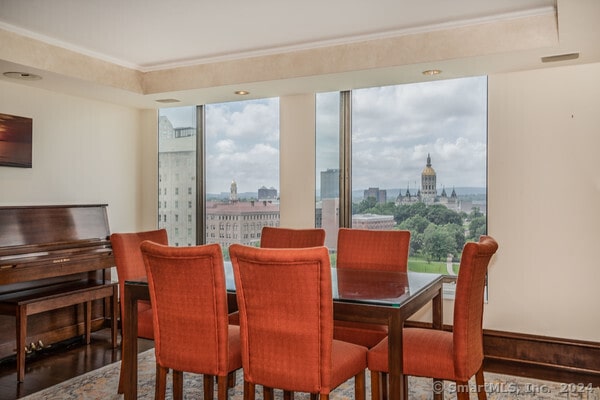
x=327 y=166
x=242 y=167
x=177 y=167
x=236 y=151
x=418 y=162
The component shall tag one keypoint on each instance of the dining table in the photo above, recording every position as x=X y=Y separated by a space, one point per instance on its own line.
x=361 y=295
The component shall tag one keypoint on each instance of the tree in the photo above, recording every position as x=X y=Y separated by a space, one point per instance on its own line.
x=475 y=212
x=364 y=205
x=437 y=243
x=458 y=233
x=441 y=215
x=406 y=211
x=388 y=208
x=416 y=225
x=477 y=227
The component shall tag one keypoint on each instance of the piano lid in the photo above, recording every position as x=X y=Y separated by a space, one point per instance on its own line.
x=51 y=226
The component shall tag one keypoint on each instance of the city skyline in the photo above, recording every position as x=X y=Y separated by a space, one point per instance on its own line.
x=394 y=128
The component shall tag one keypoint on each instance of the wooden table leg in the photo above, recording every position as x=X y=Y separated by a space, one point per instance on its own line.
x=438 y=323
x=129 y=341
x=395 y=356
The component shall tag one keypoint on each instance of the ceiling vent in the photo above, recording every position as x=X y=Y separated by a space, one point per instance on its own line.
x=560 y=57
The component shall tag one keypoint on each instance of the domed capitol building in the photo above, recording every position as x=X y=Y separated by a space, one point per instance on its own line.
x=428 y=192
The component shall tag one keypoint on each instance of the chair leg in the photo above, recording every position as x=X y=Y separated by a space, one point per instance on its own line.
x=208 y=387
x=405 y=393
x=249 y=391
x=384 y=386
x=438 y=389
x=480 y=382
x=268 y=393
x=359 y=386
x=231 y=379
x=161 y=382
x=462 y=390
x=314 y=396
x=223 y=386
x=121 y=389
x=177 y=385
x=323 y=396
x=288 y=395
x=375 y=385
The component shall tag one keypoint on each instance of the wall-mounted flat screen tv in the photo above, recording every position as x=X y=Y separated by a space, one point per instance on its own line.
x=15 y=141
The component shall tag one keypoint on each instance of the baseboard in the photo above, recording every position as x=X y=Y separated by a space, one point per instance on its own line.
x=519 y=351
x=566 y=355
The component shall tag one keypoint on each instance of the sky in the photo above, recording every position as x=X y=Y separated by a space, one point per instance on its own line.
x=394 y=128
x=242 y=143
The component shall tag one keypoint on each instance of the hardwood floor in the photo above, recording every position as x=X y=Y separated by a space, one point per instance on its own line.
x=59 y=363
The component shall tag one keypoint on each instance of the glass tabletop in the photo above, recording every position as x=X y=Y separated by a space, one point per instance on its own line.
x=389 y=288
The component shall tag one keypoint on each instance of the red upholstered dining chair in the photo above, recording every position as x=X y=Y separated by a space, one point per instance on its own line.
x=130 y=265
x=275 y=237
x=190 y=320
x=369 y=249
x=286 y=323
x=456 y=355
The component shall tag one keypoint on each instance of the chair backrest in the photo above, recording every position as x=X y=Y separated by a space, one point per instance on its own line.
x=275 y=238
x=128 y=256
x=189 y=299
x=286 y=316
x=468 y=305
x=373 y=249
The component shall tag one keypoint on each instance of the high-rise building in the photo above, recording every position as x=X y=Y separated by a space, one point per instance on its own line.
x=380 y=195
x=330 y=184
x=265 y=193
x=177 y=182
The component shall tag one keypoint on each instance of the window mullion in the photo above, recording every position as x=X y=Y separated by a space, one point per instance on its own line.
x=345 y=159
x=200 y=177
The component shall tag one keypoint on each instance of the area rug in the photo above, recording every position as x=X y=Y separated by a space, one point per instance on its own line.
x=102 y=384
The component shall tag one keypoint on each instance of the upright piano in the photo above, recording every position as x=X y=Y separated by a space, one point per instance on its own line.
x=48 y=246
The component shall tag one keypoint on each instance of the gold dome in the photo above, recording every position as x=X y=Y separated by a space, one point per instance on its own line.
x=428 y=171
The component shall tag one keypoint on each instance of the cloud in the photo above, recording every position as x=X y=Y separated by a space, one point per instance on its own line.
x=394 y=129
x=242 y=144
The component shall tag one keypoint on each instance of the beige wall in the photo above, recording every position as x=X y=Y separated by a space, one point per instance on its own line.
x=544 y=183
x=83 y=152
x=297 y=161
x=544 y=202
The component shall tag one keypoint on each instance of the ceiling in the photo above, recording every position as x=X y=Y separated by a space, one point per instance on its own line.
x=151 y=36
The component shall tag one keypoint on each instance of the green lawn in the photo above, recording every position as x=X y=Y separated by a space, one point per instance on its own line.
x=418 y=264
x=435 y=267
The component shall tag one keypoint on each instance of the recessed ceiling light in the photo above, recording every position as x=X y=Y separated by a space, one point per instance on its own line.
x=24 y=76
x=432 y=72
x=242 y=92
x=168 y=101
